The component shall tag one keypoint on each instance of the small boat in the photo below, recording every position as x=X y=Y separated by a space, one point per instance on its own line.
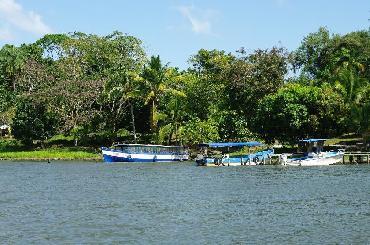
x=223 y=157
x=144 y=153
x=313 y=155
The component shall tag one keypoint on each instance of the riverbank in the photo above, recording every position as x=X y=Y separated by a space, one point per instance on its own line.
x=11 y=149
x=67 y=153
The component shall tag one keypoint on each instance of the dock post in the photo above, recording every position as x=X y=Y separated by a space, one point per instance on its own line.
x=368 y=159
x=344 y=162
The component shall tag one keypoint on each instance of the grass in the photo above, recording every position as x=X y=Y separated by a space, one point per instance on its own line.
x=14 y=150
x=344 y=140
x=55 y=154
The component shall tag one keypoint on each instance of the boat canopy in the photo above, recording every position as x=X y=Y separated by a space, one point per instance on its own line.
x=141 y=145
x=312 y=140
x=149 y=149
x=232 y=144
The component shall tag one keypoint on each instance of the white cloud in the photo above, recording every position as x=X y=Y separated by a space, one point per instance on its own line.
x=5 y=34
x=200 y=20
x=29 y=21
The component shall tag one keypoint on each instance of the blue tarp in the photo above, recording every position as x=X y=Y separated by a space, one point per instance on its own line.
x=232 y=144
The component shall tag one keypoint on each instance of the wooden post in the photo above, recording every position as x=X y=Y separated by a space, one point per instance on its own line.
x=368 y=159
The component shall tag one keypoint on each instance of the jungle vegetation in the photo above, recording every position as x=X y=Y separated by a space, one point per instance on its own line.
x=97 y=90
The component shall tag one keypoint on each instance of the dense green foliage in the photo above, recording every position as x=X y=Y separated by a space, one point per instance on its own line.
x=300 y=111
x=99 y=89
x=32 y=121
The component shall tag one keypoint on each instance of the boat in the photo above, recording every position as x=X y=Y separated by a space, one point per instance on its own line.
x=313 y=155
x=222 y=156
x=144 y=153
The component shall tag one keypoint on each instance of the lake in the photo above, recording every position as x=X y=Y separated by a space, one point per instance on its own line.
x=179 y=203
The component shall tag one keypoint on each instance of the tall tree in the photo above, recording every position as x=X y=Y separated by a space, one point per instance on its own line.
x=32 y=121
x=254 y=76
x=154 y=75
x=297 y=111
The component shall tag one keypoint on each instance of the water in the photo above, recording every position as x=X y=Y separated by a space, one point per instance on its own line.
x=80 y=202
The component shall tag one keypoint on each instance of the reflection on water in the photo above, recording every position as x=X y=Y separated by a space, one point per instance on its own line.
x=180 y=203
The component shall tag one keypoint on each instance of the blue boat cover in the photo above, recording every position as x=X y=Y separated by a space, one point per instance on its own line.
x=312 y=140
x=232 y=144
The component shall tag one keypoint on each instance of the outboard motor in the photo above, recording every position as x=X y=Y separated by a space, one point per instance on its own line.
x=200 y=160
x=283 y=159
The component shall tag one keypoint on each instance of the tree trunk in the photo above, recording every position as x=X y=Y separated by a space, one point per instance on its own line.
x=153 y=120
x=133 y=121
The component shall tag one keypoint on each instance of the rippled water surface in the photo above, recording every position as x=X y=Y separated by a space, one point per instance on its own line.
x=179 y=203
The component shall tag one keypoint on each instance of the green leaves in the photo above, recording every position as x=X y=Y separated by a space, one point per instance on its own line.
x=32 y=121
x=298 y=111
x=106 y=85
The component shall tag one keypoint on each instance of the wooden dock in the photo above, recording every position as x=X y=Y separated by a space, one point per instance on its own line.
x=356 y=158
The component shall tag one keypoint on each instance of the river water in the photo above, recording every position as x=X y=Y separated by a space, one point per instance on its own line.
x=179 y=203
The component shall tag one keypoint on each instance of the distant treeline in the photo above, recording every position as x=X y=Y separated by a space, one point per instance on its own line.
x=100 y=89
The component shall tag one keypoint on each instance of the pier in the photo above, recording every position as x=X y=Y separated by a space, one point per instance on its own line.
x=356 y=158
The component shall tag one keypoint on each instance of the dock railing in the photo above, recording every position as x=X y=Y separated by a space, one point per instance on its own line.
x=356 y=158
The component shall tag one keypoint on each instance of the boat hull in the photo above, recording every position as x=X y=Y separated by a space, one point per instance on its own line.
x=245 y=160
x=326 y=159
x=119 y=156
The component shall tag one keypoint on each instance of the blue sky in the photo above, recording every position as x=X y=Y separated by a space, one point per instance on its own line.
x=177 y=29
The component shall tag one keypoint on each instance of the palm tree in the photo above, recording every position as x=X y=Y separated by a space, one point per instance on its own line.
x=356 y=90
x=156 y=77
x=123 y=91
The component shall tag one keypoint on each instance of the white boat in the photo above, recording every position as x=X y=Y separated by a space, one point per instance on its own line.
x=144 y=153
x=314 y=155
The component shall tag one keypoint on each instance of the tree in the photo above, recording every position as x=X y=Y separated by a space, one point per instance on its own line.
x=314 y=55
x=254 y=76
x=197 y=131
x=91 y=78
x=297 y=111
x=156 y=77
x=121 y=92
x=122 y=88
x=11 y=61
x=174 y=108
x=32 y=121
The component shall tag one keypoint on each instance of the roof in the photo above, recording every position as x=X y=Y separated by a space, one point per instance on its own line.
x=232 y=144
x=312 y=140
x=142 y=145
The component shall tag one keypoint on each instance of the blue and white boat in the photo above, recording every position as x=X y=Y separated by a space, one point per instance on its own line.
x=144 y=153
x=225 y=159
x=313 y=155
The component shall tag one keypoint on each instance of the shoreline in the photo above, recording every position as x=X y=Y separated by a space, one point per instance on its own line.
x=52 y=159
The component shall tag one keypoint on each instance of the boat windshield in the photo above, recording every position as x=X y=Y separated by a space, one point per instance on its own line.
x=308 y=147
x=150 y=149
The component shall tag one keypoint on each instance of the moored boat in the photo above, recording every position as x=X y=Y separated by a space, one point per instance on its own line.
x=223 y=158
x=144 y=153
x=313 y=155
